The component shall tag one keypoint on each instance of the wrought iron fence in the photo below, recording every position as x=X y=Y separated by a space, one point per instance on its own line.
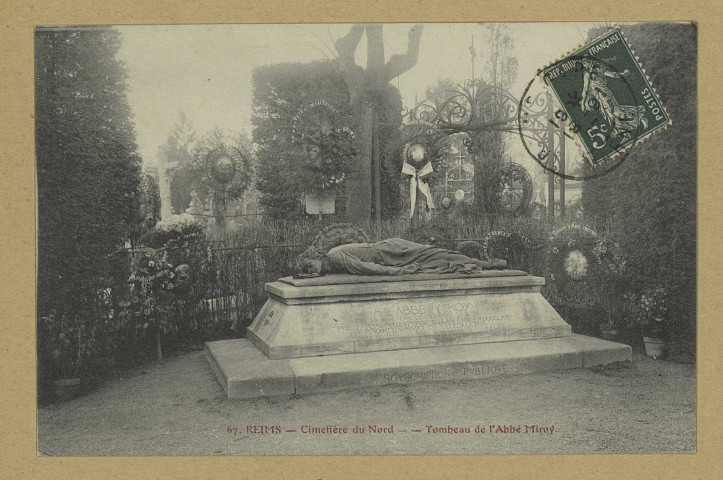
x=239 y=275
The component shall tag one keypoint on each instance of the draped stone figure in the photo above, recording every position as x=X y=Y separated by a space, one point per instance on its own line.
x=394 y=256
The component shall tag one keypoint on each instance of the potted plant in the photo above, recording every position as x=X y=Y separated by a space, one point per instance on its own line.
x=650 y=312
x=612 y=287
x=618 y=306
x=611 y=329
x=64 y=345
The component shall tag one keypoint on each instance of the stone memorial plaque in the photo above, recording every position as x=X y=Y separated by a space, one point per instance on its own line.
x=316 y=204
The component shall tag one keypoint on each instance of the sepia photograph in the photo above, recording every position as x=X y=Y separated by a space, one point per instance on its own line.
x=366 y=239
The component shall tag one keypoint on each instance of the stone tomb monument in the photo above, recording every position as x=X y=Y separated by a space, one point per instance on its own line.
x=350 y=331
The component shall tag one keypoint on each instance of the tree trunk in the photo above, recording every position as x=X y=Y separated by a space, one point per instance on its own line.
x=359 y=186
x=365 y=85
x=377 y=168
x=159 y=352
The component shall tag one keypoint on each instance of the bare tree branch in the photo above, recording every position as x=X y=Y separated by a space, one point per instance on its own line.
x=399 y=64
x=346 y=46
x=310 y=32
x=375 y=48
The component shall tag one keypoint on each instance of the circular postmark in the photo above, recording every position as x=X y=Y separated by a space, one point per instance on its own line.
x=602 y=120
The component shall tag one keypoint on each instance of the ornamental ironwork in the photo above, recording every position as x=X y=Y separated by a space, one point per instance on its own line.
x=469 y=107
x=474 y=109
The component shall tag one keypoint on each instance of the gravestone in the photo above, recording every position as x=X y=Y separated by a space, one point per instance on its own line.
x=350 y=331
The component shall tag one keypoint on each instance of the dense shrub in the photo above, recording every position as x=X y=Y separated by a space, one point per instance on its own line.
x=182 y=247
x=649 y=202
x=88 y=170
x=88 y=175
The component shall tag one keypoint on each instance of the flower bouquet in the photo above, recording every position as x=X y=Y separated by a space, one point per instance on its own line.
x=650 y=313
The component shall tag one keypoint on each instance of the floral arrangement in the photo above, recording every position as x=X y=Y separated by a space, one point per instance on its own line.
x=650 y=311
x=183 y=240
x=176 y=223
x=176 y=228
x=329 y=160
x=609 y=256
x=149 y=301
x=168 y=281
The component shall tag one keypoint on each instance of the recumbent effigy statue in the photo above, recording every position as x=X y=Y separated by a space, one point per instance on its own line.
x=394 y=256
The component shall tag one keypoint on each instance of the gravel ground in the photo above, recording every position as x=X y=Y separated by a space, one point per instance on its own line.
x=177 y=407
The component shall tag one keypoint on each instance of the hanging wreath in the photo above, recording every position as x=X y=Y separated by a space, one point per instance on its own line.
x=421 y=147
x=221 y=166
x=573 y=266
x=327 y=160
x=338 y=234
x=508 y=246
x=511 y=194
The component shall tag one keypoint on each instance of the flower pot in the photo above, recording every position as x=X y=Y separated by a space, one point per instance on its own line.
x=609 y=333
x=66 y=389
x=654 y=347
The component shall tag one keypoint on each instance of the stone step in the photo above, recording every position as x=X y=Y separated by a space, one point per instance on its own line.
x=245 y=372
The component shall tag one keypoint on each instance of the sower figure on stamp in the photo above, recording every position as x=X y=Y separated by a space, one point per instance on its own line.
x=597 y=95
x=394 y=256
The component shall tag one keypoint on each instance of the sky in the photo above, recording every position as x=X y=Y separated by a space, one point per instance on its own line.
x=205 y=71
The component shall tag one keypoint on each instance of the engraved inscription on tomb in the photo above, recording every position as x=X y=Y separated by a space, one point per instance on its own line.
x=425 y=318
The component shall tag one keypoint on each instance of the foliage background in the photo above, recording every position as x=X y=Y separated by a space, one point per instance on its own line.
x=88 y=170
x=88 y=176
x=649 y=202
x=280 y=93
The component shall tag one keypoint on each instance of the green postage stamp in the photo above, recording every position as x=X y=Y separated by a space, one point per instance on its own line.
x=608 y=100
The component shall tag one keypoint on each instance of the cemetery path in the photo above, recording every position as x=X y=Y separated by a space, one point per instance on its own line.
x=177 y=407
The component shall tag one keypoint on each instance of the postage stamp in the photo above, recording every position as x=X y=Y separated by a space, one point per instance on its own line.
x=605 y=93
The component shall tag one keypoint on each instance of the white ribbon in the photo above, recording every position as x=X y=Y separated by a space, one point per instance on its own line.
x=418 y=181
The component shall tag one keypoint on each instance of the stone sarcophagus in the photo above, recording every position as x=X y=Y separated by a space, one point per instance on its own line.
x=310 y=317
x=352 y=331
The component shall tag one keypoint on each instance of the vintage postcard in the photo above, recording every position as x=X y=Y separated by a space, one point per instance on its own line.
x=366 y=239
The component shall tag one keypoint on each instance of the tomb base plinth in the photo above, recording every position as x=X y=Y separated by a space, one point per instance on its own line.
x=344 y=331
x=245 y=372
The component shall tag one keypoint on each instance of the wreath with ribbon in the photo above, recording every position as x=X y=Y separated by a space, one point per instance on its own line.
x=419 y=158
